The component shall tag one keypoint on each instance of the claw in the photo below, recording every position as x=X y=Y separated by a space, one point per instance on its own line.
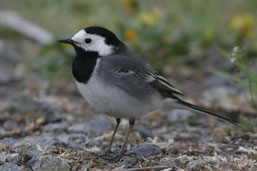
x=106 y=153
x=109 y=157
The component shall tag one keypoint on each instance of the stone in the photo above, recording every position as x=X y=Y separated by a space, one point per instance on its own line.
x=94 y=128
x=92 y=143
x=78 y=128
x=99 y=126
x=26 y=103
x=73 y=141
x=201 y=165
x=73 y=145
x=145 y=150
x=10 y=141
x=169 y=162
x=14 y=158
x=10 y=125
x=43 y=142
x=55 y=127
x=51 y=163
x=144 y=132
x=63 y=138
x=12 y=167
x=33 y=152
x=172 y=150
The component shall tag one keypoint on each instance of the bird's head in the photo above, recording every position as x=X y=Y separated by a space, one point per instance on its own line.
x=94 y=39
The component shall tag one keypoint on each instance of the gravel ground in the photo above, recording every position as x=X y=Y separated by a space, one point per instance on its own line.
x=50 y=127
x=54 y=132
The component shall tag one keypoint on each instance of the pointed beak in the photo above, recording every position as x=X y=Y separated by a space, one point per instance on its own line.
x=67 y=41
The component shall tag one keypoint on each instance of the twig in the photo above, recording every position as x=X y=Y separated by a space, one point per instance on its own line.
x=144 y=168
x=21 y=25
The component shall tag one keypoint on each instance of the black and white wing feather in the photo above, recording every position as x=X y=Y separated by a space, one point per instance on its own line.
x=131 y=69
x=163 y=85
x=133 y=74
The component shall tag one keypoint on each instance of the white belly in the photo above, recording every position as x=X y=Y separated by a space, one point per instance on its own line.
x=113 y=101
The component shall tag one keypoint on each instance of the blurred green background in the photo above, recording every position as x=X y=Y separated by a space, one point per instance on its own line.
x=169 y=34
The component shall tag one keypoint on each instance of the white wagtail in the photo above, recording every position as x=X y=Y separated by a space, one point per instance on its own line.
x=119 y=82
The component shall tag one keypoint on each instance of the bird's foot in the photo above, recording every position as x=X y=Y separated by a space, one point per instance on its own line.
x=106 y=153
x=111 y=157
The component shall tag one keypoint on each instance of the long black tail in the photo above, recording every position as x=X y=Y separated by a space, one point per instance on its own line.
x=206 y=111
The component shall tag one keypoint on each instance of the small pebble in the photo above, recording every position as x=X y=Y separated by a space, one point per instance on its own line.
x=51 y=163
x=145 y=150
x=10 y=125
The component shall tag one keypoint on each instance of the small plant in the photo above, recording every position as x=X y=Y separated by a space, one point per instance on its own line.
x=249 y=79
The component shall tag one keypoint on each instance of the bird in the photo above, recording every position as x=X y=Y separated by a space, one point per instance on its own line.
x=120 y=83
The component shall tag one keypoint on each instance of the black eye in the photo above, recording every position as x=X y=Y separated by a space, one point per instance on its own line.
x=87 y=40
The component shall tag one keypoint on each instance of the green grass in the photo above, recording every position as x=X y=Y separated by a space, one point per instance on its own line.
x=247 y=78
x=166 y=31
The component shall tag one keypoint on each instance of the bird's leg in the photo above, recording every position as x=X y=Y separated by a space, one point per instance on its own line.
x=118 y=157
x=131 y=125
x=108 y=151
x=113 y=135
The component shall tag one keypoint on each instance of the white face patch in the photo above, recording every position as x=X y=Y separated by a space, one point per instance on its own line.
x=97 y=44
